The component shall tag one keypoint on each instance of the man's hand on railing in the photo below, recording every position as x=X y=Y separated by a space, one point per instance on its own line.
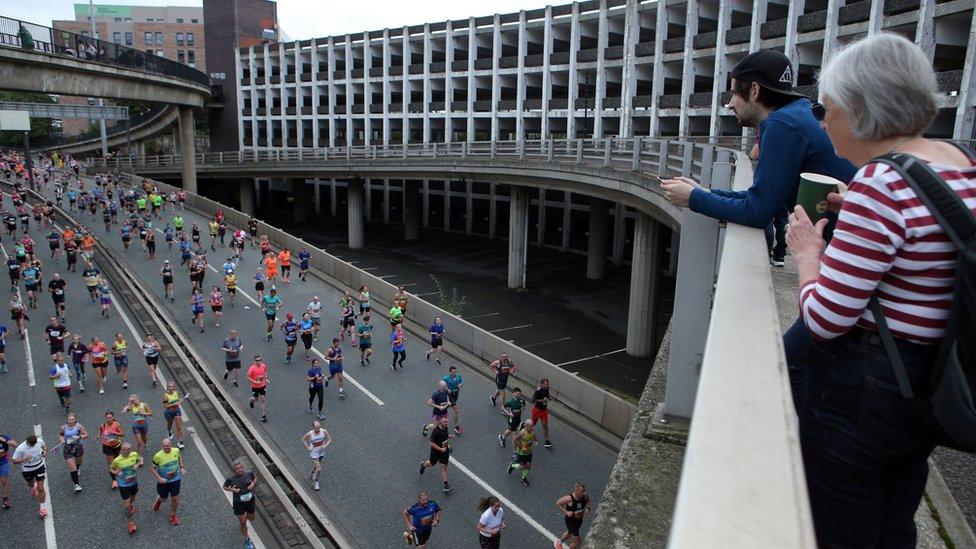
x=678 y=190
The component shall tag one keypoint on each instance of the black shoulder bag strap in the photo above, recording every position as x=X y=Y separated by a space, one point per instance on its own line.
x=955 y=219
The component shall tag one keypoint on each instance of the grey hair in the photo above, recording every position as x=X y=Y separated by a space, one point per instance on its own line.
x=884 y=83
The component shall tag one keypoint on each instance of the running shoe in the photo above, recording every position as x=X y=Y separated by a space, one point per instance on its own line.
x=174 y=520
x=492 y=399
x=179 y=445
x=101 y=391
x=264 y=419
x=225 y=375
x=525 y=481
x=457 y=429
x=235 y=383
x=511 y=467
x=41 y=512
x=132 y=527
x=424 y=430
x=248 y=544
x=6 y=503
x=321 y=416
x=310 y=409
x=316 y=486
x=447 y=488
x=501 y=440
x=157 y=504
x=125 y=384
x=77 y=487
x=548 y=444
x=393 y=366
x=422 y=467
x=250 y=402
x=438 y=361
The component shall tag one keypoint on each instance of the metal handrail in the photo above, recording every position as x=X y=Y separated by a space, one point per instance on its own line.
x=15 y=33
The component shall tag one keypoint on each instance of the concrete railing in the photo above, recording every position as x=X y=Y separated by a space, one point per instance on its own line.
x=742 y=483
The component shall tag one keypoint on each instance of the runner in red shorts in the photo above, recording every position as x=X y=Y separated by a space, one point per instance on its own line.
x=540 y=412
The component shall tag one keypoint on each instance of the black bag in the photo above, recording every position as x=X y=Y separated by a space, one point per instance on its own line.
x=945 y=408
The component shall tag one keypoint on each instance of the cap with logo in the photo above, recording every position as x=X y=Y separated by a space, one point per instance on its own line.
x=768 y=68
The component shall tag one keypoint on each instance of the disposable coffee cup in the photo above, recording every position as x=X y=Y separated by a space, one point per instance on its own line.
x=812 y=194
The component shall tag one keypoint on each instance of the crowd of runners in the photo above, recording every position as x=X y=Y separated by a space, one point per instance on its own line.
x=138 y=214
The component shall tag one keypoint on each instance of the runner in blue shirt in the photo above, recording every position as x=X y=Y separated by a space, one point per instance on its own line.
x=307 y=329
x=454 y=381
x=421 y=517
x=334 y=355
x=316 y=380
x=290 y=328
x=303 y=259
x=169 y=233
x=436 y=339
x=185 y=253
x=398 y=343
x=3 y=349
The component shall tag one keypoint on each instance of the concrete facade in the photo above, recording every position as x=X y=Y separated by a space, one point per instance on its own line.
x=232 y=24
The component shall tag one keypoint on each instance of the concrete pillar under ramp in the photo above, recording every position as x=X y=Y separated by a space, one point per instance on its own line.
x=300 y=196
x=247 y=196
x=187 y=151
x=141 y=149
x=411 y=209
x=644 y=278
x=518 y=236
x=599 y=239
x=355 y=197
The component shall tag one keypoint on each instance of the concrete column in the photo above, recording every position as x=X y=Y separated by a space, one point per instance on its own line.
x=175 y=137
x=247 y=196
x=141 y=149
x=354 y=201
x=300 y=194
x=518 y=236
x=411 y=209
x=643 y=287
x=599 y=239
x=187 y=151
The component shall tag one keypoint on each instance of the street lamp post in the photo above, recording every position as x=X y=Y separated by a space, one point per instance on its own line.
x=101 y=102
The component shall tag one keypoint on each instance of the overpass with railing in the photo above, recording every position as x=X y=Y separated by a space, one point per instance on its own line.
x=36 y=58
x=742 y=480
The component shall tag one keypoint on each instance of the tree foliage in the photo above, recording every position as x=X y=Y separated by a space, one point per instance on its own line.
x=40 y=127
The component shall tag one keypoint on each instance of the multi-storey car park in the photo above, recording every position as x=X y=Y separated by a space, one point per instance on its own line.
x=595 y=69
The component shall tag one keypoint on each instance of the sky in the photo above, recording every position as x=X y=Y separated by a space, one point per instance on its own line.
x=303 y=19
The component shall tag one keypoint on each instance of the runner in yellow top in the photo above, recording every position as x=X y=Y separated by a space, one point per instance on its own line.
x=140 y=420
x=213 y=226
x=230 y=280
x=167 y=469
x=124 y=468
x=172 y=412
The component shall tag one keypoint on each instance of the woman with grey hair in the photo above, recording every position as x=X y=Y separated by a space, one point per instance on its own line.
x=865 y=460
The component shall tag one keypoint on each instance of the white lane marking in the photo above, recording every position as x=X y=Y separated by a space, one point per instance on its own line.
x=383 y=277
x=351 y=380
x=510 y=328
x=409 y=284
x=546 y=342
x=215 y=471
x=368 y=268
x=591 y=357
x=49 y=533
x=481 y=316
x=316 y=351
x=426 y=294
x=31 y=379
x=505 y=501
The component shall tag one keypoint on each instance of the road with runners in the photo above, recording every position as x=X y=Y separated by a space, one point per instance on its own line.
x=93 y=517
x=370 y=471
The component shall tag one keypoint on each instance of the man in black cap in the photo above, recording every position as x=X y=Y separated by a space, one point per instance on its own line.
x=791 y=142
x=791 y=138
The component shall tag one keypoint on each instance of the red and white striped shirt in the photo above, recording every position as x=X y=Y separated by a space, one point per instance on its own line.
x=887 y=242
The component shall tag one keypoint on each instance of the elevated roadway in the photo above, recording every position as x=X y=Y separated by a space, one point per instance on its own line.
x=370 y=471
